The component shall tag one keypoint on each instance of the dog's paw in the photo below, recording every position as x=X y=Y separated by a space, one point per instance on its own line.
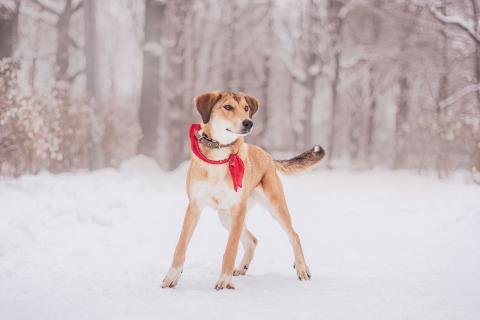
x=171 y=278
x=240 y=270
x=303 y=272
x=224 y=282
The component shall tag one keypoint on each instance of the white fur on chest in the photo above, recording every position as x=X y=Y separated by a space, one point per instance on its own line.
x=216 y=191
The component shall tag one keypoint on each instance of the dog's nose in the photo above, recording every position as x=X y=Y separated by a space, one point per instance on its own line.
x=247 y=124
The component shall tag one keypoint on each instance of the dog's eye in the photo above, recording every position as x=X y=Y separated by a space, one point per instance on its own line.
x=246 y=108
x=227 y=107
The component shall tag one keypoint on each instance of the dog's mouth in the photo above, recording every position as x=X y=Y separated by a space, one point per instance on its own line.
x=243 y=132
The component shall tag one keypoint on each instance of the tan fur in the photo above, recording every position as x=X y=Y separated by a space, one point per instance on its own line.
x=211 y=185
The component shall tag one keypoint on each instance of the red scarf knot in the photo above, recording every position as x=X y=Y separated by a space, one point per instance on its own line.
x=235 y=164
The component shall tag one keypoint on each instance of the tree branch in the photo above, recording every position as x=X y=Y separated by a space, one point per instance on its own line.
x=297 y=75
x=43 y=6
x=459 y=95
x=456 y=21
x=75 y=75
x=77 y=7
x=74 y=43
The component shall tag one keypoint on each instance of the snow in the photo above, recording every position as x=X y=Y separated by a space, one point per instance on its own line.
x=154 y=49
x=380 y=245
x=461 y=22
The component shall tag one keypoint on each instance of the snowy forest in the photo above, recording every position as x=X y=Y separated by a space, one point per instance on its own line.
x=96 y=102
x=88 y=84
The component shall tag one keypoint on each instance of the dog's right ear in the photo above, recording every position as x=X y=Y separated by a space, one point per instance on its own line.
x=205 y=103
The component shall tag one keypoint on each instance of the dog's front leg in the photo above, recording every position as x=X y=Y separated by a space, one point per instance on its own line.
x=189 y=223
x=238 y=220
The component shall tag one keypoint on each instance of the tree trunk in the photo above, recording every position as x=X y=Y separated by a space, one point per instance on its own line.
x=372 y=109
x=312 y=62
x=334 y=109
x=443 y=92
x=401 y=120
x=291 y=107
x=355 y=125
x=148 y=113
x=307 y=120
x=8 y=30
x=90 y=23
x=335 y=22
x=90 y=17
x=229 y=57
x=476 y=26
x=373 y=94
x=403 y=98
x=476 y=141
x=267 y=71
x=62 y=56
x=176 y=122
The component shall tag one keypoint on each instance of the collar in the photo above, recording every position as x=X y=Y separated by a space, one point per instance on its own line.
x=209 y=142
x=235 y=163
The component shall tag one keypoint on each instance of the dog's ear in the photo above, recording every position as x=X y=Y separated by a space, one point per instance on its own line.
x=253 y=104
x=205 y=103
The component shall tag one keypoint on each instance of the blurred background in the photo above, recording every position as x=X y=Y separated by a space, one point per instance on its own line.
x=89 y=83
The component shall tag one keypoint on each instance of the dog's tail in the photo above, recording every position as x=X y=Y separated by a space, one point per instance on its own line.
x=301 y=162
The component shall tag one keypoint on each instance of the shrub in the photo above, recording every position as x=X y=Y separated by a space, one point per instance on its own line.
x=44 y=130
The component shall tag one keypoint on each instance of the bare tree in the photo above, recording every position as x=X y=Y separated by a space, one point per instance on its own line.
x=376 y=25
x=65 y=41
x=177 y=106
x=91 y=53
x=476 y=28
x=469 y=29
x=313 y=64
x=472 y=30
x=229 y=57
x=148 y=113
x=307 y=62
x=374 y=79
x=91 y=71
x=267 y=70
x=335 y=28
x=443 y=93
x=403 y=97
x=8 y=27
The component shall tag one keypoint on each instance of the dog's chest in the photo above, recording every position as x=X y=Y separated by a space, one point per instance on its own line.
x=216 y=190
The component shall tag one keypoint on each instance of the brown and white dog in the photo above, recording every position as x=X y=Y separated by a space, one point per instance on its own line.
x=226 y=120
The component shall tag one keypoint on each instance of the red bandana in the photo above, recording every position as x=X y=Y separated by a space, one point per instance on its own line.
x=235 y=164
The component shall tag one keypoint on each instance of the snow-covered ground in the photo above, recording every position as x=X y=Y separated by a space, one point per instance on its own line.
x=380 y=245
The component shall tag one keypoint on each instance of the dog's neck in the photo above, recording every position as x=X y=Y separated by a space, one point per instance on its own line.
x=219 y=153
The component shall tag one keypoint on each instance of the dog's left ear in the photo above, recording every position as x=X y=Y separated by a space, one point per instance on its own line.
x=205 y=103
x=253 y=104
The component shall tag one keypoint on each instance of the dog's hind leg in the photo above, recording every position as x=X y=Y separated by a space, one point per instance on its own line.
x=276 y=204
x=249 y=243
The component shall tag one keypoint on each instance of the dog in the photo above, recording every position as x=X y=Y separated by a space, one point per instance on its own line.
x=224 y=173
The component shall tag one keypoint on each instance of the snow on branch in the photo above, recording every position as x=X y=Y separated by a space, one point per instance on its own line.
x=45 y=7
x=78 y=6
x=456 y=21
x=74 y=43
x=153 y=48
x=296 y=73
x=75 y=75
x=459 y=95
x=349 y=6
x=9 y=6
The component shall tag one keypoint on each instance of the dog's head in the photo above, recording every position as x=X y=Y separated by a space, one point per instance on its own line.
x=227 y=115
